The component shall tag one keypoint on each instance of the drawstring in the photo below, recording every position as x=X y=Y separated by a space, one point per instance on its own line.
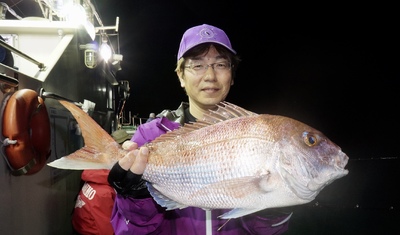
x=208 y=222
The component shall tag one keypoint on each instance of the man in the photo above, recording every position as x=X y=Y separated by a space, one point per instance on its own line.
x=205 y=68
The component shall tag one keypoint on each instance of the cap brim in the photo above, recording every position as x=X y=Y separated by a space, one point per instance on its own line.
x=208 y=41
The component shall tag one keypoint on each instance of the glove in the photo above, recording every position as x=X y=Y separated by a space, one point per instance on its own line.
x=127 y=183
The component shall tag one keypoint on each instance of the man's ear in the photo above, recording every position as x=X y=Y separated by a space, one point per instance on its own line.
x=232 y=82
x=181 y=79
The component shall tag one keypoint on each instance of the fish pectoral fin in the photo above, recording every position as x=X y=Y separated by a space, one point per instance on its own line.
x=163 y=200
x=238 y=187
x=239 y=212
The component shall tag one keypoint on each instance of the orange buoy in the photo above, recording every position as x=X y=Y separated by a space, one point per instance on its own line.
x=26 y=132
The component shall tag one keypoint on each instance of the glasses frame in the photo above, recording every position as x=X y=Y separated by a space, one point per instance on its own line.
x=205 y=67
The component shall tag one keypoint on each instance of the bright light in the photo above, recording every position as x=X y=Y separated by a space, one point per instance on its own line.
x=105 y=51
x=61 y=7
x=75 y=13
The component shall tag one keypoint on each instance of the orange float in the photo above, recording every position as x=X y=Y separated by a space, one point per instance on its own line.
x=26 y=132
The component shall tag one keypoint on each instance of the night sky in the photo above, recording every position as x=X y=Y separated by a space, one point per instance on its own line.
x=334 y=67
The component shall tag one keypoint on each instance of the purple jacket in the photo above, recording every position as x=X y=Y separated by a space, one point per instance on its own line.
x=145 y=216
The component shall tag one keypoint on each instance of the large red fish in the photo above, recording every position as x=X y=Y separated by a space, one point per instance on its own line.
x=233 y=159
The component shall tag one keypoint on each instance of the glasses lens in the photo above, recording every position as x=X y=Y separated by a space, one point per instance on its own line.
x=201 y=68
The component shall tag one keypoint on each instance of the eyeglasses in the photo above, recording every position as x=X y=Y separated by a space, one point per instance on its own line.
x=201 y=68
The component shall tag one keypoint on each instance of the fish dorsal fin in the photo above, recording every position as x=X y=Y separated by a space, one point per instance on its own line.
x=225 y=111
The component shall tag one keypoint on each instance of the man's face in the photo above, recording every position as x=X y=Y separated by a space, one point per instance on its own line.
x=207 y=85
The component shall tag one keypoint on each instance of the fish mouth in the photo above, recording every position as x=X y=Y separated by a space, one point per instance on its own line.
x=341 y=160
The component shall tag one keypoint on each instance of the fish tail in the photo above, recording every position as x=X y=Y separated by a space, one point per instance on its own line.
x=99 y=147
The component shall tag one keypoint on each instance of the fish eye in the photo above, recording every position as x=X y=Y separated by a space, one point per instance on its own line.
x=310 y=139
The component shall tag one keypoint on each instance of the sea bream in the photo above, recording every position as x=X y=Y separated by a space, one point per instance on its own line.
x=233 y=159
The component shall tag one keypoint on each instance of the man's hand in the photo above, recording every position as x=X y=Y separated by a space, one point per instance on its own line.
x=126 y=175
x=136 y=159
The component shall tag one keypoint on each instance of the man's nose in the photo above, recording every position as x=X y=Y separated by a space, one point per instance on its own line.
x=210 y=73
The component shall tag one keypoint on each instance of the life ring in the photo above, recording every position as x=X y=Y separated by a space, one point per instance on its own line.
x=26 y=132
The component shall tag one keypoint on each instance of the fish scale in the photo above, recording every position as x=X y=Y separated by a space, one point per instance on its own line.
x=222 y=172
x=233 y=159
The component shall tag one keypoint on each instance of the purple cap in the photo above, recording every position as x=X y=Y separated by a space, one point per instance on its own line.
x=202 y=34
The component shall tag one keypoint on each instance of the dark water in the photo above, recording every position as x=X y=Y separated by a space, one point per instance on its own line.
x=363 y=202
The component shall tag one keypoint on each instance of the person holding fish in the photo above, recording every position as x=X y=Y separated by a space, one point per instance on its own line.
x=206 y=65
